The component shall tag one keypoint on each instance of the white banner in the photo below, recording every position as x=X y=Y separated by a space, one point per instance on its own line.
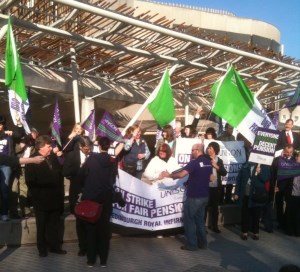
x=18 y=109
x=160 y=205
x=150 y=207
x=232 y=153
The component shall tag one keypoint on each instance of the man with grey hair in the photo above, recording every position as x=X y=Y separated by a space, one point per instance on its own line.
x=199 y=170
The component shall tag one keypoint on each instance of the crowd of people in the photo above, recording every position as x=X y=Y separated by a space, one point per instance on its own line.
x=33 y=183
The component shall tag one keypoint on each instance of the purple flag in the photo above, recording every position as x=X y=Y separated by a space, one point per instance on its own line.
x=287 y=168
x=108 y=128
x=275 y=119
x=56 y=125
x=89 y=124
x=295 y=100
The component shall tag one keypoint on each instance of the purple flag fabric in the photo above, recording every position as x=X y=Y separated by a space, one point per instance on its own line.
x=56 y=125
x=287 y=168
x=295 y=100
x=89 y=124
x=275 y=119
x=108 y=128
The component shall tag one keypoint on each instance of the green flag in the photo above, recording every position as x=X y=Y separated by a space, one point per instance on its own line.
x=162 y=102
x=13 y=73
x=234 y=103
x=18 y=101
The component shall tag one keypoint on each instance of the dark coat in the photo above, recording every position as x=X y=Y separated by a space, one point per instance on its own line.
x=285 y=186
x=243 y=177
x=72 y=164
x=9 y=160
x=282 y=140
x=46 y=184
x=97 y=177
x=71 y=167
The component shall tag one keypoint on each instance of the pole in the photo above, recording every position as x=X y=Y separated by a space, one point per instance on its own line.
x=274 y=194
x=75 y=85
x=186 y=102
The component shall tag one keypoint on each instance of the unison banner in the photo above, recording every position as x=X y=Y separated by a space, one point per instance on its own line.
x=232 y=153
x=150 y=207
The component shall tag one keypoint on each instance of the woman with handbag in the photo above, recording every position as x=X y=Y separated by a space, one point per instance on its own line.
x=252 y=195
x=97 y=177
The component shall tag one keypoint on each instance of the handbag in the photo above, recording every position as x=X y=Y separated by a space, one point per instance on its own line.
x=88 y=210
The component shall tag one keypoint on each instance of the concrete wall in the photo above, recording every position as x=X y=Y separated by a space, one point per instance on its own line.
x=210 y=20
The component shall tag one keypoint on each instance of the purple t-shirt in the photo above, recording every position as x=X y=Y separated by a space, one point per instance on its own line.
x=199 y=170
x=4 y=149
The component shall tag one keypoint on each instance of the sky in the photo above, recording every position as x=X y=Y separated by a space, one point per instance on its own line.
x=283 y=14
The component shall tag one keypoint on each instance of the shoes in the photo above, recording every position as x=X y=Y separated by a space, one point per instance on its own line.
x=255 y=237
x=43 y=254
x=216 y=230
x=58 y=251
x=202 y=247
x=103 y=265
x=81 y=253
x=185 y=248
x=4 y=218
x=90 y=264
x=159 y=236
x=244 y=236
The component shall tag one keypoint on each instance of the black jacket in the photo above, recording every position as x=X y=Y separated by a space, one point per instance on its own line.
x=46 y=184
x=282 y=140
x=97 y=177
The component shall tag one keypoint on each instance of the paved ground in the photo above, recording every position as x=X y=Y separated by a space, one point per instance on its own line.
x=227 y=252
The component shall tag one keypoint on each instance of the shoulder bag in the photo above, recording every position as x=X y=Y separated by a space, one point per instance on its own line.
x=88 y=210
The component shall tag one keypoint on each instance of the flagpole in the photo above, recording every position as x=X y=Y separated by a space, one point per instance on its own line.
x=144 y=106
x=274 y=194
x=67 y=144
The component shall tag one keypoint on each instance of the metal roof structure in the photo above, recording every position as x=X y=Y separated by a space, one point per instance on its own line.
x=125 y=53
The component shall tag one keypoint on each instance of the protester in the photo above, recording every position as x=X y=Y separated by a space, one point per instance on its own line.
x=19 y=191
x=45 y=183
x=215 y=186
x=292 y=211
x=227 y=134
x=226 y=194
x=6 y=148
x=163 y=161
x=250 y=178
x=136 y=152
x=210 y=133
x=190 y=131
x=287 y=136
x=178 y=129
x=282 y=186
x=168 y=138
x=97 y=176
x=199 y=170
x=74 y=160
x=73 y=138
